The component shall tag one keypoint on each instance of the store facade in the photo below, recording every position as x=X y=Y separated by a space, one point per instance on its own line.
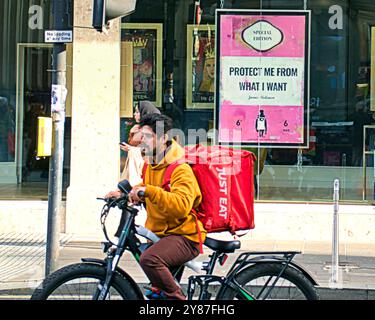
x=340 y=98
x=159 y=49
x=24 y=96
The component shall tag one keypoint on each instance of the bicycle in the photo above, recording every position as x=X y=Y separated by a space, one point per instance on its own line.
x=253 y=275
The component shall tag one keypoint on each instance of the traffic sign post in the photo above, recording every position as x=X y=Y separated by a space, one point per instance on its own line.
x=59 y=36
x=335 y=233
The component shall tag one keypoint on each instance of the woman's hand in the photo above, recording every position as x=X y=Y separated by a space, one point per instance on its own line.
x=124 y=146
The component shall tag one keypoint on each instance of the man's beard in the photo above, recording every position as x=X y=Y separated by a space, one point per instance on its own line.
x=147 y=152
x=154 y=157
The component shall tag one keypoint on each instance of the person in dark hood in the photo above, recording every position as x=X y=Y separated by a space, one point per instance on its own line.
x=134 y=163
x=146 y=107
x=141 y=110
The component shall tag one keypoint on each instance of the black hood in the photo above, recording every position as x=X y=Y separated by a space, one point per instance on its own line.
x=147 y=107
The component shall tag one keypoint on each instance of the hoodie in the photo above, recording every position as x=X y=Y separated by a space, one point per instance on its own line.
x=146 y=107
x=170 y=213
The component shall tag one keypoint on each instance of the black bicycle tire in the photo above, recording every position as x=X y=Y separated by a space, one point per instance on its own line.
x=79 y=270
x=267 y=269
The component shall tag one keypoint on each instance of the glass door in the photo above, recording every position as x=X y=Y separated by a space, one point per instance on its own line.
x=33 y=100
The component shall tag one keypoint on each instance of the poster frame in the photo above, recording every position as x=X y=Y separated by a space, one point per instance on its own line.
x=190 y=104
x=306 y=98
x=158 y=59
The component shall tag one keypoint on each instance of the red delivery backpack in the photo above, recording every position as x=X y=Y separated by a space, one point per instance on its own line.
x=226 y=179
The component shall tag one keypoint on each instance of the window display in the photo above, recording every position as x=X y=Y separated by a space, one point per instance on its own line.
x=263 y=68
x=147 y=60
x=200 y=66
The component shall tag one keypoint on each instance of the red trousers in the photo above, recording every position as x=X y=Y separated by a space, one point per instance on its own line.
x=170 y=251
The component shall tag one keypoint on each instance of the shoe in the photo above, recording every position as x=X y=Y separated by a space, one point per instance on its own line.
x=155 y=294
x=112 y=249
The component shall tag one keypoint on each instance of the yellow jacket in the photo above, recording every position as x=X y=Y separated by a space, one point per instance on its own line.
x=170 y=212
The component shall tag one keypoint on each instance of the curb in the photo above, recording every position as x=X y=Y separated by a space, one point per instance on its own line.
x=324 y=293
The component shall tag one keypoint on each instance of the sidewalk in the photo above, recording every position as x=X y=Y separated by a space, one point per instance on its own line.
x=22 y=258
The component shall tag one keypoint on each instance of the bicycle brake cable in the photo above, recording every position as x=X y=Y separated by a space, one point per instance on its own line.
x=103 y=218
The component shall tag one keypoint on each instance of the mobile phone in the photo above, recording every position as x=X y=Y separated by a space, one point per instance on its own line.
x=123 y=143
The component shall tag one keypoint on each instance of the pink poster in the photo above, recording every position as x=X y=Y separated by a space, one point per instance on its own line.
x=262 y=89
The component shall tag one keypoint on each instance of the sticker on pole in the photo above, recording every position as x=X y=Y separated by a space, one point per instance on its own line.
x=58 y=97
x=58 y=36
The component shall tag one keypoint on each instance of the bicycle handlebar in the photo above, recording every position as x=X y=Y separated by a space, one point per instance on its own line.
x=141 y=194
x=124 y=196
x=124 y=187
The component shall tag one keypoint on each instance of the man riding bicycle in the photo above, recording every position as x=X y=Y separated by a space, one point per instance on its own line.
x=169 y=213
x=262 y=275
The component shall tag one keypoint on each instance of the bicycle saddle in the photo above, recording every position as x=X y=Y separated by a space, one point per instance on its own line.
x=222 y=246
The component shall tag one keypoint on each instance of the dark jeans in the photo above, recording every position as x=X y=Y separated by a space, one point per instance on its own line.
x=170 y=251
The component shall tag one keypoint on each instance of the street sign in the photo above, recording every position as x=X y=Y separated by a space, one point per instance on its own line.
x=58 y=36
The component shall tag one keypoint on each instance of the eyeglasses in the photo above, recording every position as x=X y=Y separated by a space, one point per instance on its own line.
x=147 y=135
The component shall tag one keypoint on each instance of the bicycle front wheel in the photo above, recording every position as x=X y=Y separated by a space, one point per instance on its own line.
x=82 y=281
x=259 y=280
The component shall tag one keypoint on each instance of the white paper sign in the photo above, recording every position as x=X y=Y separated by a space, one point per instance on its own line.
x=265 y=81
x=58 y=97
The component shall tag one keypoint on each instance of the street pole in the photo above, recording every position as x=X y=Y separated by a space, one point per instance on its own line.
x=58 y=94
x=335 y=233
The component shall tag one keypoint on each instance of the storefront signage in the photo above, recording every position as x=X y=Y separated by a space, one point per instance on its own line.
x=262 y=69
x=58 y=36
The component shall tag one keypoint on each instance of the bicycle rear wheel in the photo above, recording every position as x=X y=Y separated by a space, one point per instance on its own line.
x=292 y=284
x=81 y=282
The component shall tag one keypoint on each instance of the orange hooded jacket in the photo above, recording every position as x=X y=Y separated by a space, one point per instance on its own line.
x=170 y=213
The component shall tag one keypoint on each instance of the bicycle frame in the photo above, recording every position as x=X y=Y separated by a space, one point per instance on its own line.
x=241 y=263
x=112 y=260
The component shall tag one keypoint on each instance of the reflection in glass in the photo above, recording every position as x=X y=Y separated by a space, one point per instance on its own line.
x=7 y=130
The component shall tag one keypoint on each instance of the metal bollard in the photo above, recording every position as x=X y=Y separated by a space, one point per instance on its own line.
x=335 y=235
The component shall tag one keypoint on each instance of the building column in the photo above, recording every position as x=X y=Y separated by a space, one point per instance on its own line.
x=95 y=136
